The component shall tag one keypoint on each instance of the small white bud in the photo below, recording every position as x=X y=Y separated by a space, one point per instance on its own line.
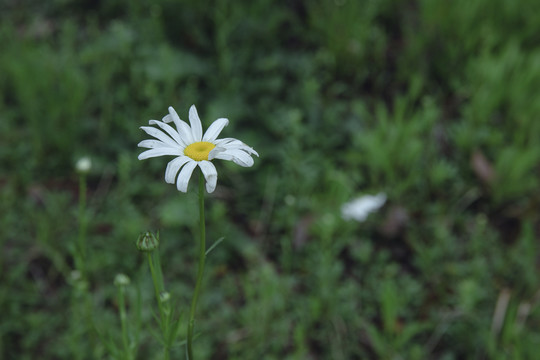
x=121 y=280
x=164 y=296
x=83 y=165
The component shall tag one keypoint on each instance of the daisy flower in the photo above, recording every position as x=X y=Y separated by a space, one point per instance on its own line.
x=192 y=148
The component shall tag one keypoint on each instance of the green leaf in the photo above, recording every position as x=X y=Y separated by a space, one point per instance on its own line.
x=218 y=241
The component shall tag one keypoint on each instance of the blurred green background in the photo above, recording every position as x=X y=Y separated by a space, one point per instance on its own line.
x=435 y=103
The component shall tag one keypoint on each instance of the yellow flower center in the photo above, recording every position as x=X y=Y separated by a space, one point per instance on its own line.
x=199 y=151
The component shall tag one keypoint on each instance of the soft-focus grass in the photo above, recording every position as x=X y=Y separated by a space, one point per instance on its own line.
x=434 y=103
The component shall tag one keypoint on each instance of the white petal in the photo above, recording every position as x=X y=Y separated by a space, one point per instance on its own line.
x=185 y=175
x=213 y=131
x=213 y=153
x=172 y=133
x=210 y=174
x=252 y=151
x=228 y=141
x=183 y=129
x=173 y=167
x=158 y=134
x=195 y=121
x=359 y=208
x=152 y=144
x=160 y=152
x=242 y=146
x=167 y=118
x=173 y=115
x=221 y=156
x=239 y=157
x=231 y=143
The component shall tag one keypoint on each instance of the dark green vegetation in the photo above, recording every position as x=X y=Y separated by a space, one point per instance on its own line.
x=435 y=103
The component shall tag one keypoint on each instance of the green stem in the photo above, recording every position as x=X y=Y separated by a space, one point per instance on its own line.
x=80 y=250
x=166 y=353
x=200 y=271
x=82 y=297
x=122 y=305
x=157 y=286
x=157 y=279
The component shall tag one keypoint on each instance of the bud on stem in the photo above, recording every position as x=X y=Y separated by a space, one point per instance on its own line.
x=147 y=242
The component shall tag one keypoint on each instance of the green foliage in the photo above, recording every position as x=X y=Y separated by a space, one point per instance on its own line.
x=433 y=103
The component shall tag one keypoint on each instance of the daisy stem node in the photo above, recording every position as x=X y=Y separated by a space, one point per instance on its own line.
x=200 y=271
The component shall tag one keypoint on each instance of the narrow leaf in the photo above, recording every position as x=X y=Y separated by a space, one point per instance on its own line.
x=218 y=241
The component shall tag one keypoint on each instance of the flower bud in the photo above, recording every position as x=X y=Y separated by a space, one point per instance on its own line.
x=121 y=280
x=147 y=242
x=164 y=296
x=83 y=165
